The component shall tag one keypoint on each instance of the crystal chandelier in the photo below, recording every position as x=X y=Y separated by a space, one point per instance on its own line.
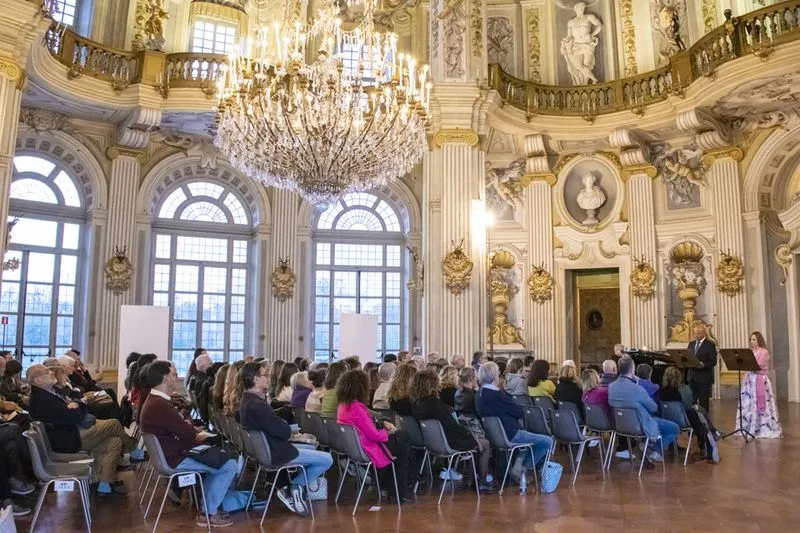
x=351 y=120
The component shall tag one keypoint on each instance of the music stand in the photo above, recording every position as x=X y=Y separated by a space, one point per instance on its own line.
x=684 y=359
x=740 y=359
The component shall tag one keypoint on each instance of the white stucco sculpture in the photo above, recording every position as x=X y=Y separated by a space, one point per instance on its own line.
x=579 y=45
x=590 y=199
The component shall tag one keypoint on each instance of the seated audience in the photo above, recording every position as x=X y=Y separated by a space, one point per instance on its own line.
x=129 y=361
x=492 y=401
x=609 y=374
x=11 y=471
x=426 y=403
x=11 y=387
x=177 y=436
x=330 y=403
x=418 y=361
x=643 y=373
x=625 y=392
x=448 y=381
x=301 y=388
x=200 y=384
x=274 y=380
x=516 y=383
x=193 y=366
x=380 y=401
x=403 y=357
x=218 y=389
x=314 y=400
x=255 y=414
x=88 y=381
x=594 y=393
x=675 y=390
x=389 y=358
x=353 y=362
x=371 y=370
x=70 y=428
x=398 y=391
x=139 y=387
x=465 y=395
x=98 y=404
x=284 y=388
x=383 y=446
x=458 y=362
x=527 y=364
x=568 y=389
x=539 y=383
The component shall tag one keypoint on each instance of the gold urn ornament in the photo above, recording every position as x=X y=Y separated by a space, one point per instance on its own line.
x=457 y=269
x=283 y=280
x=643 y=279
x=730 y=273
x=540 y=284
x=119 y=271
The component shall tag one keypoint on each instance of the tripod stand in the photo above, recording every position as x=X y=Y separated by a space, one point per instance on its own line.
x=740 y=360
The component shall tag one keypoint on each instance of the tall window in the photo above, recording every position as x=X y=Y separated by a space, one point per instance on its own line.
x=211 y=37
x=200 y=270
x=65 y=11
x=359 y=268
x=38 y=296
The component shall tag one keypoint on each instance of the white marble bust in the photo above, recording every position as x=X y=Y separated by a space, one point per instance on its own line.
x=590 y=199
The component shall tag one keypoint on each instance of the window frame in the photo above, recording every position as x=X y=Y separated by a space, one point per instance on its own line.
x=217 y=24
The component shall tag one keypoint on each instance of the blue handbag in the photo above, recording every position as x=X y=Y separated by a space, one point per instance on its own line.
x=551 y=475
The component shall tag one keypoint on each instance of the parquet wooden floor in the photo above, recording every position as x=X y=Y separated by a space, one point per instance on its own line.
x=754 y=489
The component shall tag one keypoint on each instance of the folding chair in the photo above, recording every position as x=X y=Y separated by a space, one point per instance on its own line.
x=597 y=422
x=567 y=430
x=437 y=445
x=628 y=425
x=499 y=440
x=675 y=412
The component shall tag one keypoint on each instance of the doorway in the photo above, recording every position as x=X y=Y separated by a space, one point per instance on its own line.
x=594 y=326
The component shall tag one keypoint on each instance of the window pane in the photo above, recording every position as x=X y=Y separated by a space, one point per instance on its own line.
x=213 y=335
x=392 y=338
x=393 y=285
x=184 y=334
x=39 y=298
x=161 y=278
x=323 y=285
x=237 y=308
x=64 y=330
x=185 y=307
x=171 y=204
x=214 y=279
x=69 y=267
x=238 y=281
x=205 y=188
x=321 y=336
x=9 y=297
x=393 y=310
x=68 y=190
x=37 y=165
x=344 y=283
x=393 y=256
x=214 y=307
x=186 y=277
x=66 y=300
x=323 y=253
x=71 y=237
x=34 y=232
x=41 y=267
x=33 y=191
x=343 y=305
x=322 y=309
x=235 y=207
x=182 y=360
x=239 y=251
x=372 y=284
x=358 y=255
x=204 y=212
x=161 y=299
x=237 y=336
x=372 y=306
x=36 y=331
x=163 y=245
x=202 y=249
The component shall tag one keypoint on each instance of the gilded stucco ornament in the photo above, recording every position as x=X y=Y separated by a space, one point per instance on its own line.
x=418 y=283
x=730 y=273
x=13 y=263
x=149 y=25
x=540 y=284
x=283 y=280
x=119 y=271
x=457 y=269
x=643 y=279
x=783 y=256
x=502 y=289
x=688 y=278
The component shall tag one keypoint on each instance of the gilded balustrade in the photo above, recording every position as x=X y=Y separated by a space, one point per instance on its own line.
x=755 y=33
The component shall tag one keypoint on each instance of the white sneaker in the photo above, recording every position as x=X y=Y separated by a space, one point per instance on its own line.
x=624 y=454
x=594 y=443
x=655 y=457
x=451 y=475
x=299 y=503
x=20 y=487
x=287 y=499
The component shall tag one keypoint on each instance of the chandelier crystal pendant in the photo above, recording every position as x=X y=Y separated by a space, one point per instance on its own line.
x=351 y=120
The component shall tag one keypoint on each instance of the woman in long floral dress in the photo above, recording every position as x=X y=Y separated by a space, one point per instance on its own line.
x=759 y=413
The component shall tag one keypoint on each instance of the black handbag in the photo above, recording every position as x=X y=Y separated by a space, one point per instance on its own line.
x=212 y=456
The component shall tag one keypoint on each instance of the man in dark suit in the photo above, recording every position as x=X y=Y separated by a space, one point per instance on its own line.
x=701 y=379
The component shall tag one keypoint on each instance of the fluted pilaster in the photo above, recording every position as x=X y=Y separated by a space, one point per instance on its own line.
x=10 y=97
x=120 y=232
x=646 y=327
x=282 y=317
x=540 y=317
x=731 y=321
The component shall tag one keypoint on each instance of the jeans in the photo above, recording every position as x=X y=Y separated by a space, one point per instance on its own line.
x=541 y=446
x=669 y=431
x=315 y=462
x=216 y=481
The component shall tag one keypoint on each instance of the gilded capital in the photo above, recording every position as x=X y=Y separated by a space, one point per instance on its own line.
x=455 y=136
x=546 y=177
x=648 y=170
x=732 y=152
x=114 y=152
x=12 y=72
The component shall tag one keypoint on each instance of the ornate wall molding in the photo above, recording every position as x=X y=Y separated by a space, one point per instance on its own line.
x=709 y=15
x=283 y=281
x=119 y=271
x=783 y=256
x=547 y=177
x=12 y=72
x=113 y=152
x=629 y=38
x=534 y=45
x=628 y=172
x=643 y=279
x=457 y=269
x=455 y=136
x=454 y=25
x=730 y=273
x=476 y=23
x=733 y=152
x=500 y=42
x=45 y=121
x=540 y=284
x=149 y=25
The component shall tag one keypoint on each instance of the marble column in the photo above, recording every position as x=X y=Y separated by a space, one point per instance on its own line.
x=452 y=215
x=540 y=317
x=11 y=79
x=119 y=233
x=646 y=329
x=731 y=327
x=793 y=315
x=282 y=317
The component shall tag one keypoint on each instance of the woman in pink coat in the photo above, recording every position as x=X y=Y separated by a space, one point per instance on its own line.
x=382 y=446
x=759 y=412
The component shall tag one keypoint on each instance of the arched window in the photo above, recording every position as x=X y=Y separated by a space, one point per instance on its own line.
x=359 y=267
x=42 y=270
x=201 y=242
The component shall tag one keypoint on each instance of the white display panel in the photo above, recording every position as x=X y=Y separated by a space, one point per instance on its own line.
x=358 y=335
x=143 y=329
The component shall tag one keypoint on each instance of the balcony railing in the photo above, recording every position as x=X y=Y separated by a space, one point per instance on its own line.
x=755 y=33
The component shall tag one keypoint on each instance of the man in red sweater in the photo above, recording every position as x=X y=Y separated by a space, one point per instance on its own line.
x=177 y=436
